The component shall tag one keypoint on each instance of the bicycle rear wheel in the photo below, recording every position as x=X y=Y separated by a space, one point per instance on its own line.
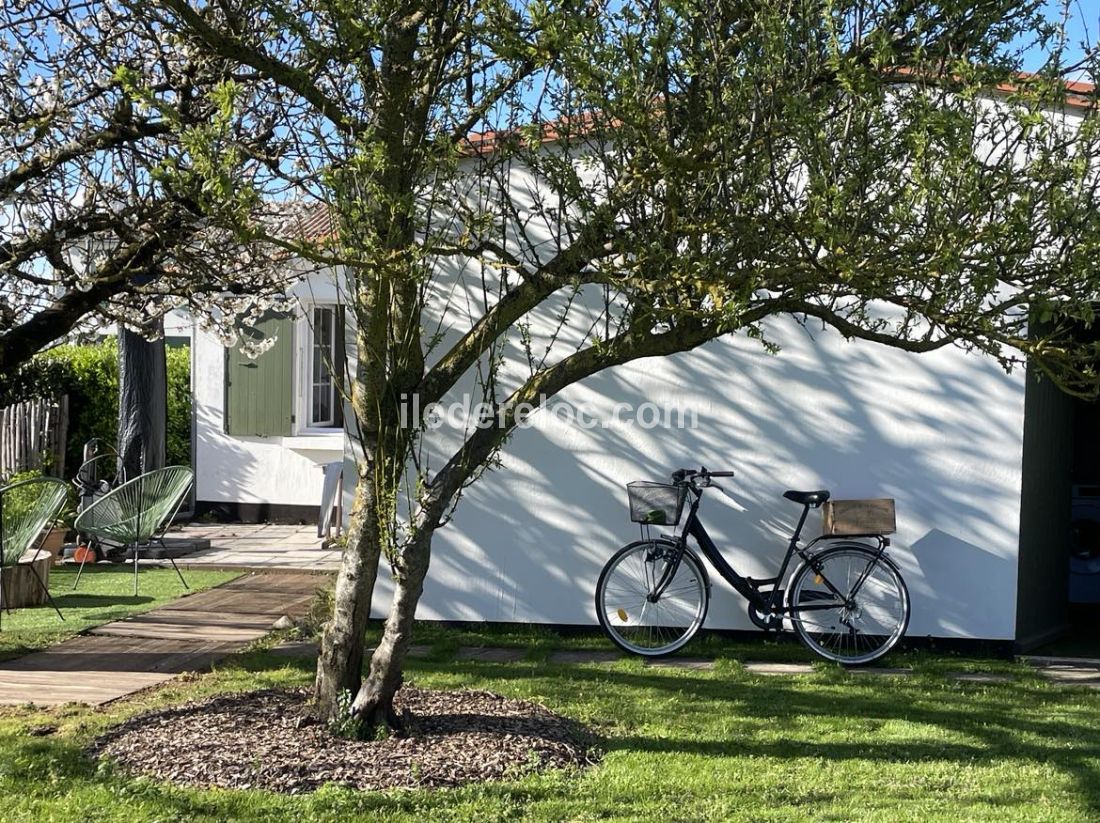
x=863 y=618
x=633 y=620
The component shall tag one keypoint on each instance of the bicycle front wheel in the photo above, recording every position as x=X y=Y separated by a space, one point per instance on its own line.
x=850 y=606
x=633 y=618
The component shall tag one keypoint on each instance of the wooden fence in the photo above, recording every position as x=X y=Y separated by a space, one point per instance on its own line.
x=33 y=435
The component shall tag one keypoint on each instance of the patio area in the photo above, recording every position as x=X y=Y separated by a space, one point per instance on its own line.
x=264 y=546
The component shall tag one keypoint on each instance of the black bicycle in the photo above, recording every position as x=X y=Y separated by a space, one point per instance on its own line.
x=846 y=599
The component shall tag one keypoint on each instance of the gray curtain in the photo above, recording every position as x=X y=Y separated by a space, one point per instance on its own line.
x=142 y=402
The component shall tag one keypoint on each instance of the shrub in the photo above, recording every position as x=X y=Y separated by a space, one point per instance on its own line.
x=91 y=381
x=19 y=477
x=89 y=375
x=178 y=444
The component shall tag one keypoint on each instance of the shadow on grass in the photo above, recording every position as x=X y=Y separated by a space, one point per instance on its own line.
x=78 y=600
x=822 y=717
x=1014 y=722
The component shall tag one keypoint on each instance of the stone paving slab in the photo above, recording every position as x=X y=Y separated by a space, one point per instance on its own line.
x=1070 y=675
x=779 y=668
x=259 y=546
x=296 y=648
x=308 y=649
x=191 y=633
x=692 y=663
x=579 y=656
x=491 y=655
x=982 y=677
x=1077 y=662
x=1069 y=671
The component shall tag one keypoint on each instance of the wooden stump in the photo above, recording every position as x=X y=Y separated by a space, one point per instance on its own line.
x=19 y=588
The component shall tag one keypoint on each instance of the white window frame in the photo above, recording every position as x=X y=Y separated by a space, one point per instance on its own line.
x=304 y=373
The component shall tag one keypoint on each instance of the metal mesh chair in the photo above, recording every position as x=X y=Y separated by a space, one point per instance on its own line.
x=97 y=475
x=26 y=508
x=135 y=512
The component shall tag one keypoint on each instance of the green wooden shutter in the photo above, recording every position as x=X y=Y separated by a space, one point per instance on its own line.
x=259 y=394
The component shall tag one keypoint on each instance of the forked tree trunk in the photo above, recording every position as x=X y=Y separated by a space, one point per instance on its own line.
x=374 y=703
x=340 y=665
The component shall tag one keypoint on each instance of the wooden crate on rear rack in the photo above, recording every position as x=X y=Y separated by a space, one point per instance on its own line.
x=858 y=518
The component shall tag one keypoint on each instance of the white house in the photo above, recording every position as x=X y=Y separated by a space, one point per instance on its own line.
x=982 y=466
x=979 y=462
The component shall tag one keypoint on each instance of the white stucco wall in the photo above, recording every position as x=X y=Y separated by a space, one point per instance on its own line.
x=273 y=470
x=277 y=470
x=179 y=323
x=941 y=433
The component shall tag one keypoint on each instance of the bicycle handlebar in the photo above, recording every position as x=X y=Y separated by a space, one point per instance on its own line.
x=680 y=475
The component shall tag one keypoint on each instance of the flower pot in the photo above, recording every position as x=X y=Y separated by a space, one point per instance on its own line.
x=53 y=543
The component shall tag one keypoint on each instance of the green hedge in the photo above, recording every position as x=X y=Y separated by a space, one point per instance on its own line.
x=179 y=405
x=89 y=375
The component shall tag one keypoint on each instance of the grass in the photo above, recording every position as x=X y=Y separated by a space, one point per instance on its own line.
x=104 y=595
x=678 y=745
x=444 y=639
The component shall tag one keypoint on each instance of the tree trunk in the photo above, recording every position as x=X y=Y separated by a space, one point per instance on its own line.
x=374 y=703
x=340 y=664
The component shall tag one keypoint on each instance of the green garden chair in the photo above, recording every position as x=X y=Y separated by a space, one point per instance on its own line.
x=26 y=508
x=137 y=512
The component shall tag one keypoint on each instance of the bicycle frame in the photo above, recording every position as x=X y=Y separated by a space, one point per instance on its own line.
x=766 y=602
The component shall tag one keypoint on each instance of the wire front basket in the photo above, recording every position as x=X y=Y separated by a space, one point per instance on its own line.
x=655 y=504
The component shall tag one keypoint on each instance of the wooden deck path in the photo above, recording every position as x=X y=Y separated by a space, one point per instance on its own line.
x=189 y=634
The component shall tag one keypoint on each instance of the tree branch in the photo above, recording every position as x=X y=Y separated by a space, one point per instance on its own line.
x=565 y=268
x=59 y=318
x=111 y=137
x=627 y=346
x=233 y=48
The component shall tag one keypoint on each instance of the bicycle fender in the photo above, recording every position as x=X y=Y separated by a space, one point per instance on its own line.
x=836 y=545
x=673 y=544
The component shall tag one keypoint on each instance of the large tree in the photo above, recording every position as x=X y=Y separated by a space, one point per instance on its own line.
x=113 y=203
x=646 y=177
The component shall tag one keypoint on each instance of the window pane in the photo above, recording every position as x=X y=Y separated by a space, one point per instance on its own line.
x=322 y=322
x=322 y=411
x=322 y=393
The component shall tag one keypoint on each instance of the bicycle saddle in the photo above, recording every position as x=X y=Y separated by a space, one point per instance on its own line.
x=807 y=498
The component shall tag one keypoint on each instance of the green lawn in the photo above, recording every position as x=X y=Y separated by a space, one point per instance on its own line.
x=679 y=745
x=105 y=594
x=540 y=641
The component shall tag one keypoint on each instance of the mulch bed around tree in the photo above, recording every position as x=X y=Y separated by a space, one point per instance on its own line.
x=269 y=740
